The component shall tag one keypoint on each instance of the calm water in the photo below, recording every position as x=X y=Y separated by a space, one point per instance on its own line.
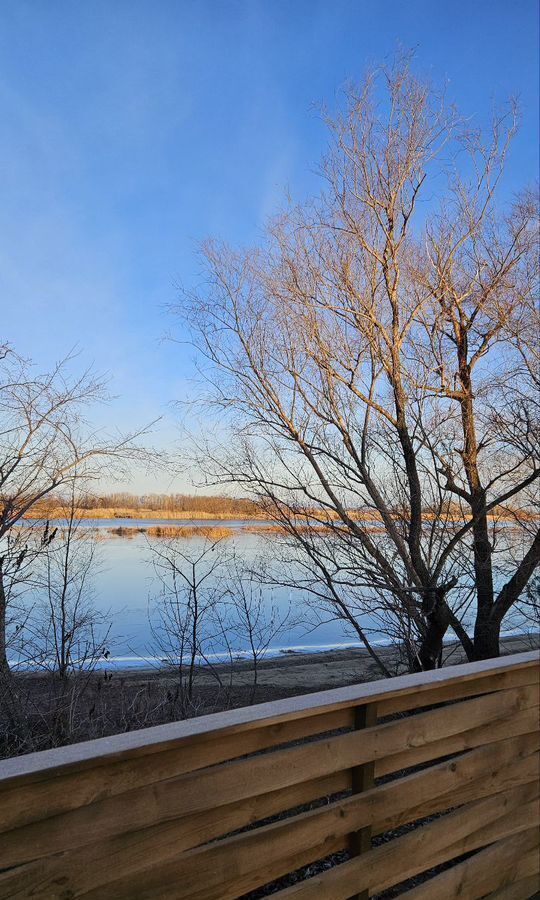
x=126 y=586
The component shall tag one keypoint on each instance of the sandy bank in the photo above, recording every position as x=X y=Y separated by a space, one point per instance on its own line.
x=306 y=672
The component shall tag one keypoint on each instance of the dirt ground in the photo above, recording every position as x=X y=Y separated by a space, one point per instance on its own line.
x=307 y=672
x=51 y=711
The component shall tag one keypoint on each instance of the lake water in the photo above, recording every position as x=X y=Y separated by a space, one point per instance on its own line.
x=125 y=590
x=126 y=586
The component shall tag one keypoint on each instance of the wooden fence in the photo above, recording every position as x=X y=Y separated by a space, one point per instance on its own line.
x=217 y=807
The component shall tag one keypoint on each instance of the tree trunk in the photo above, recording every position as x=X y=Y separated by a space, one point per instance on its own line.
x=483 y=570
x=437 y=616
x=4 y=667
x=486 y=638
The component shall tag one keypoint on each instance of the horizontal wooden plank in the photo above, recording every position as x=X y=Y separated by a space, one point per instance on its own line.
x=522 y=816
x=519 y=809
x=491 y=781
x=104 y=751
x=508 y=860
x=236 y=781
x=137 y=838
x=404 y=857
x=523 y=722
x=233 y=782
x=429 y=696
x=265 y=852
x=514 y=819
x=94 y=864
x=52 y=797
x=34 y=800
x=524 y=889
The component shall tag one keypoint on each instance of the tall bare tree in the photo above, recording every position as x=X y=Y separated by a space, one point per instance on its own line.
x=66 y=633
x=184 y=617
x=374 y=361
x=45 y=445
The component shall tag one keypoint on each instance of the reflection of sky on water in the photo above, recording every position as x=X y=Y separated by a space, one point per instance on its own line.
x=126 y=584
x=125 y=588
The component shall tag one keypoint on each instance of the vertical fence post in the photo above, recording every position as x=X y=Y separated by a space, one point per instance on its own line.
x=362 y=779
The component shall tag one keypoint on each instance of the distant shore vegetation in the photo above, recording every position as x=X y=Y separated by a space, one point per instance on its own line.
x=209 y=532
x=188 y=507
x=151 y=506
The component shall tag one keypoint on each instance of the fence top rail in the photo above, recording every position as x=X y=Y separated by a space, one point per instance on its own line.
x=101 y=751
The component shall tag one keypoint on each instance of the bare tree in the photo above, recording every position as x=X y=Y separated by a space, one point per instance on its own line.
x=212 y=612
x=55 y=635
x=46 y=444
x=254 y=619
x=373 y=361
x=66 y=634
x=63 y=635
x=184 y=616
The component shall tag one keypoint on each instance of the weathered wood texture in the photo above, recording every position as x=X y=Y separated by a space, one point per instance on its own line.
x=216 y=807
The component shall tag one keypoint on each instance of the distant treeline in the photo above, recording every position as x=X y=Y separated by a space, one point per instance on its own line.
x=174 y=503
x=193 y=506
x=177 y=504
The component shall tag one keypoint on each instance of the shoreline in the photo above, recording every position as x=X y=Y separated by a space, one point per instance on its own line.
x=305 y=654
x=113 y=702
x=297 y=671
x=327 y=667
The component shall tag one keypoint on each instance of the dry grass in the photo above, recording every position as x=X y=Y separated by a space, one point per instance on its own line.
x=215 y=532
x=210 y=532
x=366 y=515
x=125 y=532
x=125 y=513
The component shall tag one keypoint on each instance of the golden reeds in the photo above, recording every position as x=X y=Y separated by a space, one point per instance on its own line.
x=210 y=532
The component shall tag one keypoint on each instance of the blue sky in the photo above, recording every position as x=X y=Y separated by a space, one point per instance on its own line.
x=131 y=130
